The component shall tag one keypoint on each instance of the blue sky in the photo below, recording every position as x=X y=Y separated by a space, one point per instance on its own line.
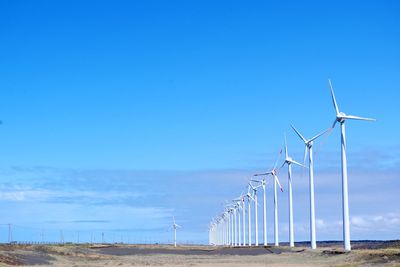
x=122 y=114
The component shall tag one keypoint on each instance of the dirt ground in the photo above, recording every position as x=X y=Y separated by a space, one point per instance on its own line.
x=363 y=254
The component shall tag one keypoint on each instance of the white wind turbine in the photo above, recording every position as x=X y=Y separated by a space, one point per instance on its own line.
x=230 y=232
x=238 y=227
x=243 y=218
x=341 y=118
x=233 y=226
x=175 y=226
x=227 y=227
x=308 y=147
x=289 y=161
x=254 y=188
x=263 y=184
x=239 y=223
x=249 y=198
x=273 y=172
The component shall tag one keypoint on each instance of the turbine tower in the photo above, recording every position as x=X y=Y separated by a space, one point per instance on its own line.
x=249 y=198
x=175 y=226
x=239 y=224
x=232 y=228
x=243 y=218
x=341 y=118
x=308 y=147
x=289 y=161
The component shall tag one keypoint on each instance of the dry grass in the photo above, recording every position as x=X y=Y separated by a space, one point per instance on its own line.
x=162 y=255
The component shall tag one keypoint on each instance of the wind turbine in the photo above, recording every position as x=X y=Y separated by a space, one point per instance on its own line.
x=249 y=198
x=243 y=218
x=233 y=224
x=175 y=226
x=289 y=161
x=238 y=225
x=263 y=184
x=254 y=188
x=273 y=172
x=341 y=118
x=228 y=211
x=308 y=147
x=227 y=227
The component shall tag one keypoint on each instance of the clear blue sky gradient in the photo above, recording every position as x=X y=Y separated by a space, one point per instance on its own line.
x=189 y=88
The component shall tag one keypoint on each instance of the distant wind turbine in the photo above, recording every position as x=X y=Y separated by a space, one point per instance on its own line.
x=175 y=226
x=254 y=188
x=341 y=118
x=243 y=218
x=289 y=161
x=274 y=172
x=249 y=198
x=263 y=185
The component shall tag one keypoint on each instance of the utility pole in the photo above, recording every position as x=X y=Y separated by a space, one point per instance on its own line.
x=102 y=237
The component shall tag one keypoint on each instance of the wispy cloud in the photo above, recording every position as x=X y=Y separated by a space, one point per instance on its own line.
x=90 y=221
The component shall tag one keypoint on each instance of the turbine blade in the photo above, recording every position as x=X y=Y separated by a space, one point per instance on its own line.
x=320 y=134
x=333 y=98
x=358 y=118
x=305 y=154
x=277 y=180
x=299 y=134
x=334 y=124
x=299 y=164
x=282 y=165
x=277 y=159
x=286 y=150
x=252 y=187
x=262 y=174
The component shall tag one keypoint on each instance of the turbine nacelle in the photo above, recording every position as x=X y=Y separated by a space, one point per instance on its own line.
x=309 y=144
x=341 y=117
x=289 y=160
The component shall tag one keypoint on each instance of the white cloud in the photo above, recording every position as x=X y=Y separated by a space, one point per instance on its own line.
x=24 y=195
x=389 y=222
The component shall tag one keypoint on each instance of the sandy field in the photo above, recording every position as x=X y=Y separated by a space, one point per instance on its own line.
x=365 y=253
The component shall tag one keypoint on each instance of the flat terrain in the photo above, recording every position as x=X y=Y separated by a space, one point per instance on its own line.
x=364 y=253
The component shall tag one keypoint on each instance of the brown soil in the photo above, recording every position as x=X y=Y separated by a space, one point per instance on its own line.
x=367 y=254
